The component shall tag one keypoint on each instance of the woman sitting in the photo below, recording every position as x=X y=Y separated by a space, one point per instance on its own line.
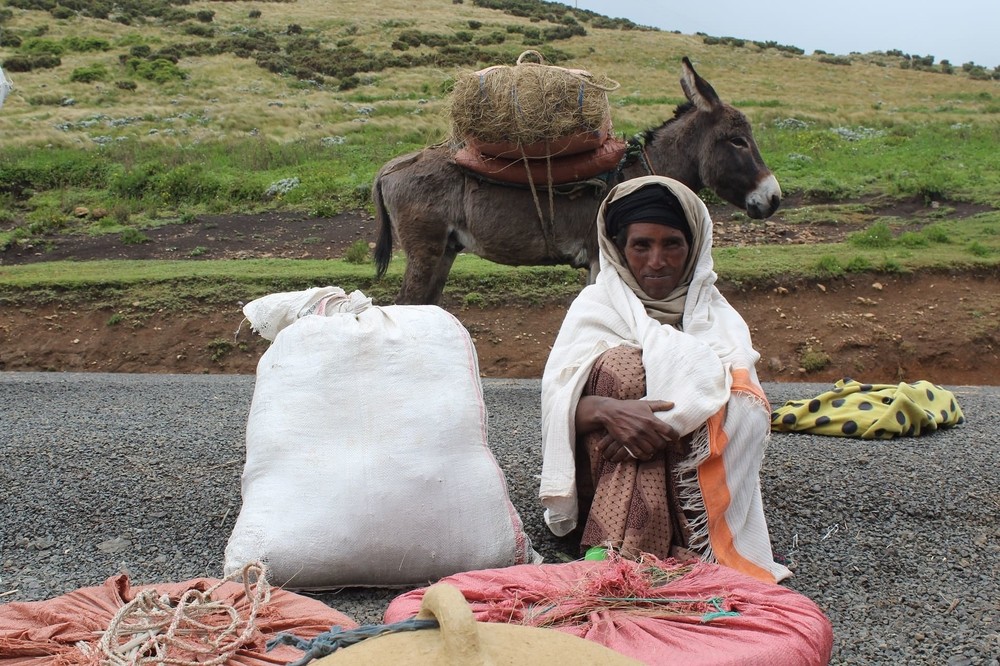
x=653 y=421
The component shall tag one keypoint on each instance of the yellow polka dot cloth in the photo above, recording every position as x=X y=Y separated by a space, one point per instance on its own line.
x=871 y=411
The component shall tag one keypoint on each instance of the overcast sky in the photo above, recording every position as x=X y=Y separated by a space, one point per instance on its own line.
x=955 y=30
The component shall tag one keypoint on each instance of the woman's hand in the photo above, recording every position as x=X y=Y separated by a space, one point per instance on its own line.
x=634 y=429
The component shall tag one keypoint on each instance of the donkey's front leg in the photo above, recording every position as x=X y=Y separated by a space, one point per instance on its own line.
x=594 y=268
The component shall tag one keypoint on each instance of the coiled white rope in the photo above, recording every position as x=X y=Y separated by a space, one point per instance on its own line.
x=196 y=631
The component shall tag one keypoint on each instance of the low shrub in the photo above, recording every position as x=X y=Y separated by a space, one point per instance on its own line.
x=727 y=41
x=892 y=266
x=160 y=70
x=495 y=37
x=936 y=234
x=86 y=44
x=38 y=46
x=858 y=265
x=273 y=62
x=358 y=252
x=132 y=236
x=834 y=60
x=977 y=249
x=563 y=32
x=410 y=37
x=878 y=235
x=814 y=360
x=89 y=74
x=771 y=44
x=47 y=99
x=176 y=16
x=255 y=41
x=349 y=83
x=199 y=30
x=219 y=348
x=25 y=63
x=829 y=265
x=913 y=239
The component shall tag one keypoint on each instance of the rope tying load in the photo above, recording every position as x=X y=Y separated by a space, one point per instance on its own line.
x=194 y=631
x=329 y=642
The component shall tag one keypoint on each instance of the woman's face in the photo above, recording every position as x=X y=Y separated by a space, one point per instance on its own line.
x=656 y=255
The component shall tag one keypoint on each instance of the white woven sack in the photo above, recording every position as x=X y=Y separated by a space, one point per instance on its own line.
x=366 y=450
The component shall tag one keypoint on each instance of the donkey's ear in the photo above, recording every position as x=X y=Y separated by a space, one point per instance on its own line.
x=697 y=89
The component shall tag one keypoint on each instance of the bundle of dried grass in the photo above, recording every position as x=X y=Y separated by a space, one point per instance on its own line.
x=624 y=588
x=529 y=102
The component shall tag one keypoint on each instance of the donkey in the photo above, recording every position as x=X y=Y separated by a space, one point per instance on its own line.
x=438 y=209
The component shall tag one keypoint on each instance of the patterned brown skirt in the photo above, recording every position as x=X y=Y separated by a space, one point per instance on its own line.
x=630 y=506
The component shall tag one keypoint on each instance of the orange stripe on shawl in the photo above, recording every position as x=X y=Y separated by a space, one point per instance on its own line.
x=715 y=490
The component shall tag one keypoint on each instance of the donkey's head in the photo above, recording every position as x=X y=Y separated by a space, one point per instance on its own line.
x=717 y=149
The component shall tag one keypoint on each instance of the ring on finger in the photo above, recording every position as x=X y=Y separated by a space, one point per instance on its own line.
x=629 y=451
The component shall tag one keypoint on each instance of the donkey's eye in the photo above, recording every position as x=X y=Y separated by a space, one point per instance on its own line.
x=739 y=142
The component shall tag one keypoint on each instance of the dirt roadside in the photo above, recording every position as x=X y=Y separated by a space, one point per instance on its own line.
x=878 y=329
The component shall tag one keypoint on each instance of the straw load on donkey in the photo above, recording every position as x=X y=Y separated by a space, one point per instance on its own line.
x=456 y=197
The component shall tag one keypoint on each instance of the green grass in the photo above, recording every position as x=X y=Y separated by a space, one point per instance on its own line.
x=152 y=143
x=973 y=243
x=155 y=183
x=161 y=184
x=931 y=161
x=168 y=285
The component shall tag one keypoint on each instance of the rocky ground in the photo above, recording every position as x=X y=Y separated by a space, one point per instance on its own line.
x=896 y=541
x=937 y=326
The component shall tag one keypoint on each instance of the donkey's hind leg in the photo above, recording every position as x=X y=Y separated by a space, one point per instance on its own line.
x=436 y=287
x=425 y=275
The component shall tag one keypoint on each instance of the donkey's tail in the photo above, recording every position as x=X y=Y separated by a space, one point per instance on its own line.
x=383 y=245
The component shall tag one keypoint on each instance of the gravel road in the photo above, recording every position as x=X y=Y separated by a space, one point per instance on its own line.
x=897 y=541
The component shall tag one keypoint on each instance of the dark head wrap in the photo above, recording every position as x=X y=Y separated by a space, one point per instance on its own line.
x=653 y=204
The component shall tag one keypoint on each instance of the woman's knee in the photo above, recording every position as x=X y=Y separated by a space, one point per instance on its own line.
x=618 y=373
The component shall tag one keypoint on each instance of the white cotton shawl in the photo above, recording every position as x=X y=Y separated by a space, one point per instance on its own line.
x=692 y=367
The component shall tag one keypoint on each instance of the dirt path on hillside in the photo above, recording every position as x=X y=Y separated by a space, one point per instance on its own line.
x=940 y=327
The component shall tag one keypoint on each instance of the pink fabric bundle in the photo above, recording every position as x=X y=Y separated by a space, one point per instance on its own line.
x=47 y=632
x=659 y=612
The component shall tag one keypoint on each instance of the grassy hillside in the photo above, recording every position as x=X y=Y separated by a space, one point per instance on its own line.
x=134 y=114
